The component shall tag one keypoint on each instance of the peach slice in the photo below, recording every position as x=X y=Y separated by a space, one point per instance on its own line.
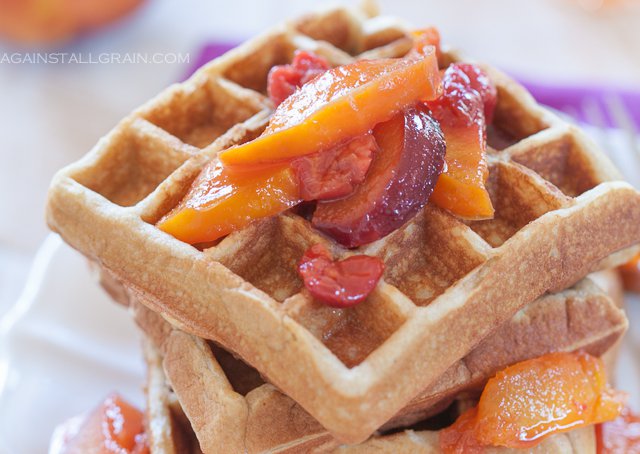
x=460 y=189
x=533 y=399
x=284 y=80
x=425 y=37
x=630 y=273
x=220 y=202
x=344 y=102
x=463 y=110
x=114 y=426
x=45 y=22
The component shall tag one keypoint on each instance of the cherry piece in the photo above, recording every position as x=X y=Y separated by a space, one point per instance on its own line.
x=343 y=283
x=335 y=173
x=283 y=80
x=480 y=82
x=622 y=435
x=467 y=93
x=468 y=99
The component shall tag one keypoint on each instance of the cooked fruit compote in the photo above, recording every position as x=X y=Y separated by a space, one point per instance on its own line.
x=364 y=146
x=620 y=436
x=115 y=426
x=341 y=283
x=630 y=273
x=527 y=402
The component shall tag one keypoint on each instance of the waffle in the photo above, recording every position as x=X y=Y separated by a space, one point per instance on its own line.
x=168 y=430
x=560 y=214
x=578 y=441
x=258 y=417
x=611 y=282
x=166 y=438
x=232 y=410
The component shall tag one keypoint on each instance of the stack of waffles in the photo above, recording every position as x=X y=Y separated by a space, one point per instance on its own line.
x=242 y=356
x=232 y=409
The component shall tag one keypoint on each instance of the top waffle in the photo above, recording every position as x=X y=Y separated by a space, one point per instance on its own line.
x=447 y=283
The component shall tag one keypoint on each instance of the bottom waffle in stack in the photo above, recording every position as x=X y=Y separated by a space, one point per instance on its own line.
x=170 y=433
x=200 y=398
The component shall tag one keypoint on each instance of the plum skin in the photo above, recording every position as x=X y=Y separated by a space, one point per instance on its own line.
x=398 y=184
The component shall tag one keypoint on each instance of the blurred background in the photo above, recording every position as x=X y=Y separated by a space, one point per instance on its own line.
x=51 y=113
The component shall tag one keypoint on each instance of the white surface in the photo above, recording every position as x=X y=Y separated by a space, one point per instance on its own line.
x=65 y=346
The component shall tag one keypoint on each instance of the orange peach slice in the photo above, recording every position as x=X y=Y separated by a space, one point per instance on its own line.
x=463 y=110
x=460 y=188
x=344 y=102
x=220 y=202
x=533 y=399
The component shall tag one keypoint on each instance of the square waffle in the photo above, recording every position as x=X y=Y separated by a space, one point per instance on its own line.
x=231 y=407
x=168 y=429
x=560 y=214
x=169 y=438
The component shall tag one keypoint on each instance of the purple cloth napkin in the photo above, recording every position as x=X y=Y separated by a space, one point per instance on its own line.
x=575 y=100
x=207 y=53
x=572 y=99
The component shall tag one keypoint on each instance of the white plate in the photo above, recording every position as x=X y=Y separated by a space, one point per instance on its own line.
x=65 y=346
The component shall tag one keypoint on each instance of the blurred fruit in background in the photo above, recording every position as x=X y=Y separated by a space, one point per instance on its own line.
x=598 y=5
x=52 y=22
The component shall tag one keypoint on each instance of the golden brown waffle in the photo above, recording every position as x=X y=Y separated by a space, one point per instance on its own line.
x=167 y=438
x=447 y=283
x=168 y=430
x=229 y=405
x=578 y=441
x=584 y=317
x=611 y=282
x=232 y=410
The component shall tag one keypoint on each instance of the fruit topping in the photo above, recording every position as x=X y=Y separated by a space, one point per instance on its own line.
x=630 y=273
x=113 y=427
x=343 y=283
x=342 y=103
x=620 y=436
x=426 y=37
x=480 y=82
x=399 y=182
x=49 y=23
x=220 y=202
x=362 y=140
x=336 y=172
x=224 y=199
x=283 y=80
x=463 y=110
x=533 y=399
x=461 y=437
